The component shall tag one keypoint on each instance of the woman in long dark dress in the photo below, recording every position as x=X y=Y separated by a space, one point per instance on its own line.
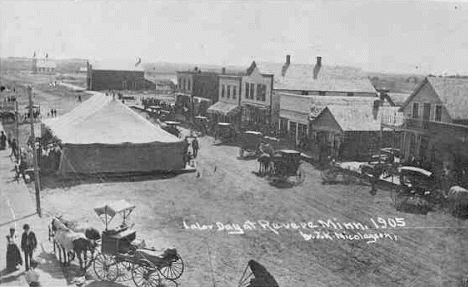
x=13 y=253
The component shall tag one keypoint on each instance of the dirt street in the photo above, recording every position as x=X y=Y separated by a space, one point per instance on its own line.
x=285 y=229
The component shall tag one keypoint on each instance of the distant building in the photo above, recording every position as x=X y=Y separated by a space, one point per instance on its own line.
x=117 y=75
x=436 y=124
x=43 y=66
x=83 y=70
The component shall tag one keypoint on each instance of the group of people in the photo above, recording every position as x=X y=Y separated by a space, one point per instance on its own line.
x=28 y=246
x=52 y=113
x=191 y=149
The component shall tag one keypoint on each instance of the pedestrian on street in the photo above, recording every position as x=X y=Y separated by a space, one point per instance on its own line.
x=3 y=139
x=195 y=147
x=13 y=256
x=14 y=149
x=28 y=245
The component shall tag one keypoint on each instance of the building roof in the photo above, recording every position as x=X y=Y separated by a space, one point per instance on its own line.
x=453 y=92
x=46 y=64
x=330 y=78
x=358 y=118
x=117 y=65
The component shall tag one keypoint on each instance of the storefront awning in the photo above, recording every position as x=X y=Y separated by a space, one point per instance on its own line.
x=224 y=108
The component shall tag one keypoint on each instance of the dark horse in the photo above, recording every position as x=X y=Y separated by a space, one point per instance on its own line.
x=73 y=240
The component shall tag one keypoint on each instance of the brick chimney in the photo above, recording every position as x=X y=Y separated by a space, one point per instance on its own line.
x=317 y=67
x=286 y=65
x=223 y=71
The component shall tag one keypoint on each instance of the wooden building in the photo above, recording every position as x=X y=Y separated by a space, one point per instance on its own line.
x=198 y=89
x=353 y=132
x=228 y=108
x=44 y=66
x=117 y=75
x=436 y=123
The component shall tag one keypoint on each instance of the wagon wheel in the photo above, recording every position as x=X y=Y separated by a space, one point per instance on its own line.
x=144 y=276
x=174 y=268
x=300 y=176
x=106 y=267
x=328 y=174
x=125 y=271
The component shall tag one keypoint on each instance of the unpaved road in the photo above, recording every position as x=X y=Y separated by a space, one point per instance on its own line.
x=430 y=250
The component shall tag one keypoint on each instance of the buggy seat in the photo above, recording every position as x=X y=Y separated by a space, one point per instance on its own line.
x=156 y=255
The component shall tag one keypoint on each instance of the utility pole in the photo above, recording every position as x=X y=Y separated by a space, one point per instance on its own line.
x=36 y=168
x=17 y=116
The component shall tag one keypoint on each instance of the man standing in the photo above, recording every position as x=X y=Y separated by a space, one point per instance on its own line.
x=3 y=141
x=14 y=149
x=195 y=147
x=28 y=245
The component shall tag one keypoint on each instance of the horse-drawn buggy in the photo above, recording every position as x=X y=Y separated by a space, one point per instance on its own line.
x=250 y=142
x=123 y=257
x=172 y=128
x=417 y=192
x=286 y=165
x=225 y=132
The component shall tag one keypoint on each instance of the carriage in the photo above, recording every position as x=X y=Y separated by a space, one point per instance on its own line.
x=123 y=257
x=418 y=190
x=225 y=132
x=286 y=164
x=172 y=128
x=202 y=124
x=250 y=142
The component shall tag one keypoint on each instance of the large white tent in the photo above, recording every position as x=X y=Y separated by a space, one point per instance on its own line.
x=102 y=135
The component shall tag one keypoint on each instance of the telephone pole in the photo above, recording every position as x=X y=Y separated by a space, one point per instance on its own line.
x=36 y=168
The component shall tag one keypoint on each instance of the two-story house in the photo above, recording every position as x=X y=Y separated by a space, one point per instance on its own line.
x=259 y=109
x=436 y=124
x=197 y=90
x=228 y=108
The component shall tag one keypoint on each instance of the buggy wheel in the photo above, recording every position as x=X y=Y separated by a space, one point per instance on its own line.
x=145 y=277
x=106 y=267
x=328 y=174
x=173 y=269
x=125 y=271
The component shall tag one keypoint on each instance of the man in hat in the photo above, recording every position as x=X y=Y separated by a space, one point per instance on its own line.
x=28 y=245
x=3 y=139
x=195 y=146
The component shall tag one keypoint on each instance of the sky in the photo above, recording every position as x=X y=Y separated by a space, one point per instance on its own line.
x=389 y=36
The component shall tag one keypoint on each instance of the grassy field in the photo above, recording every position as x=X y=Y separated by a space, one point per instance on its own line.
x=429 y=250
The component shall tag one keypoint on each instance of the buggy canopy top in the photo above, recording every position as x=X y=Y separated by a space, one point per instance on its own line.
x=108 y=211
x=417 y=170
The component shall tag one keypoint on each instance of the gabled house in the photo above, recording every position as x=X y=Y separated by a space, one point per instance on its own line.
x=352 y=132
x=259 y=108
x=436 y=124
